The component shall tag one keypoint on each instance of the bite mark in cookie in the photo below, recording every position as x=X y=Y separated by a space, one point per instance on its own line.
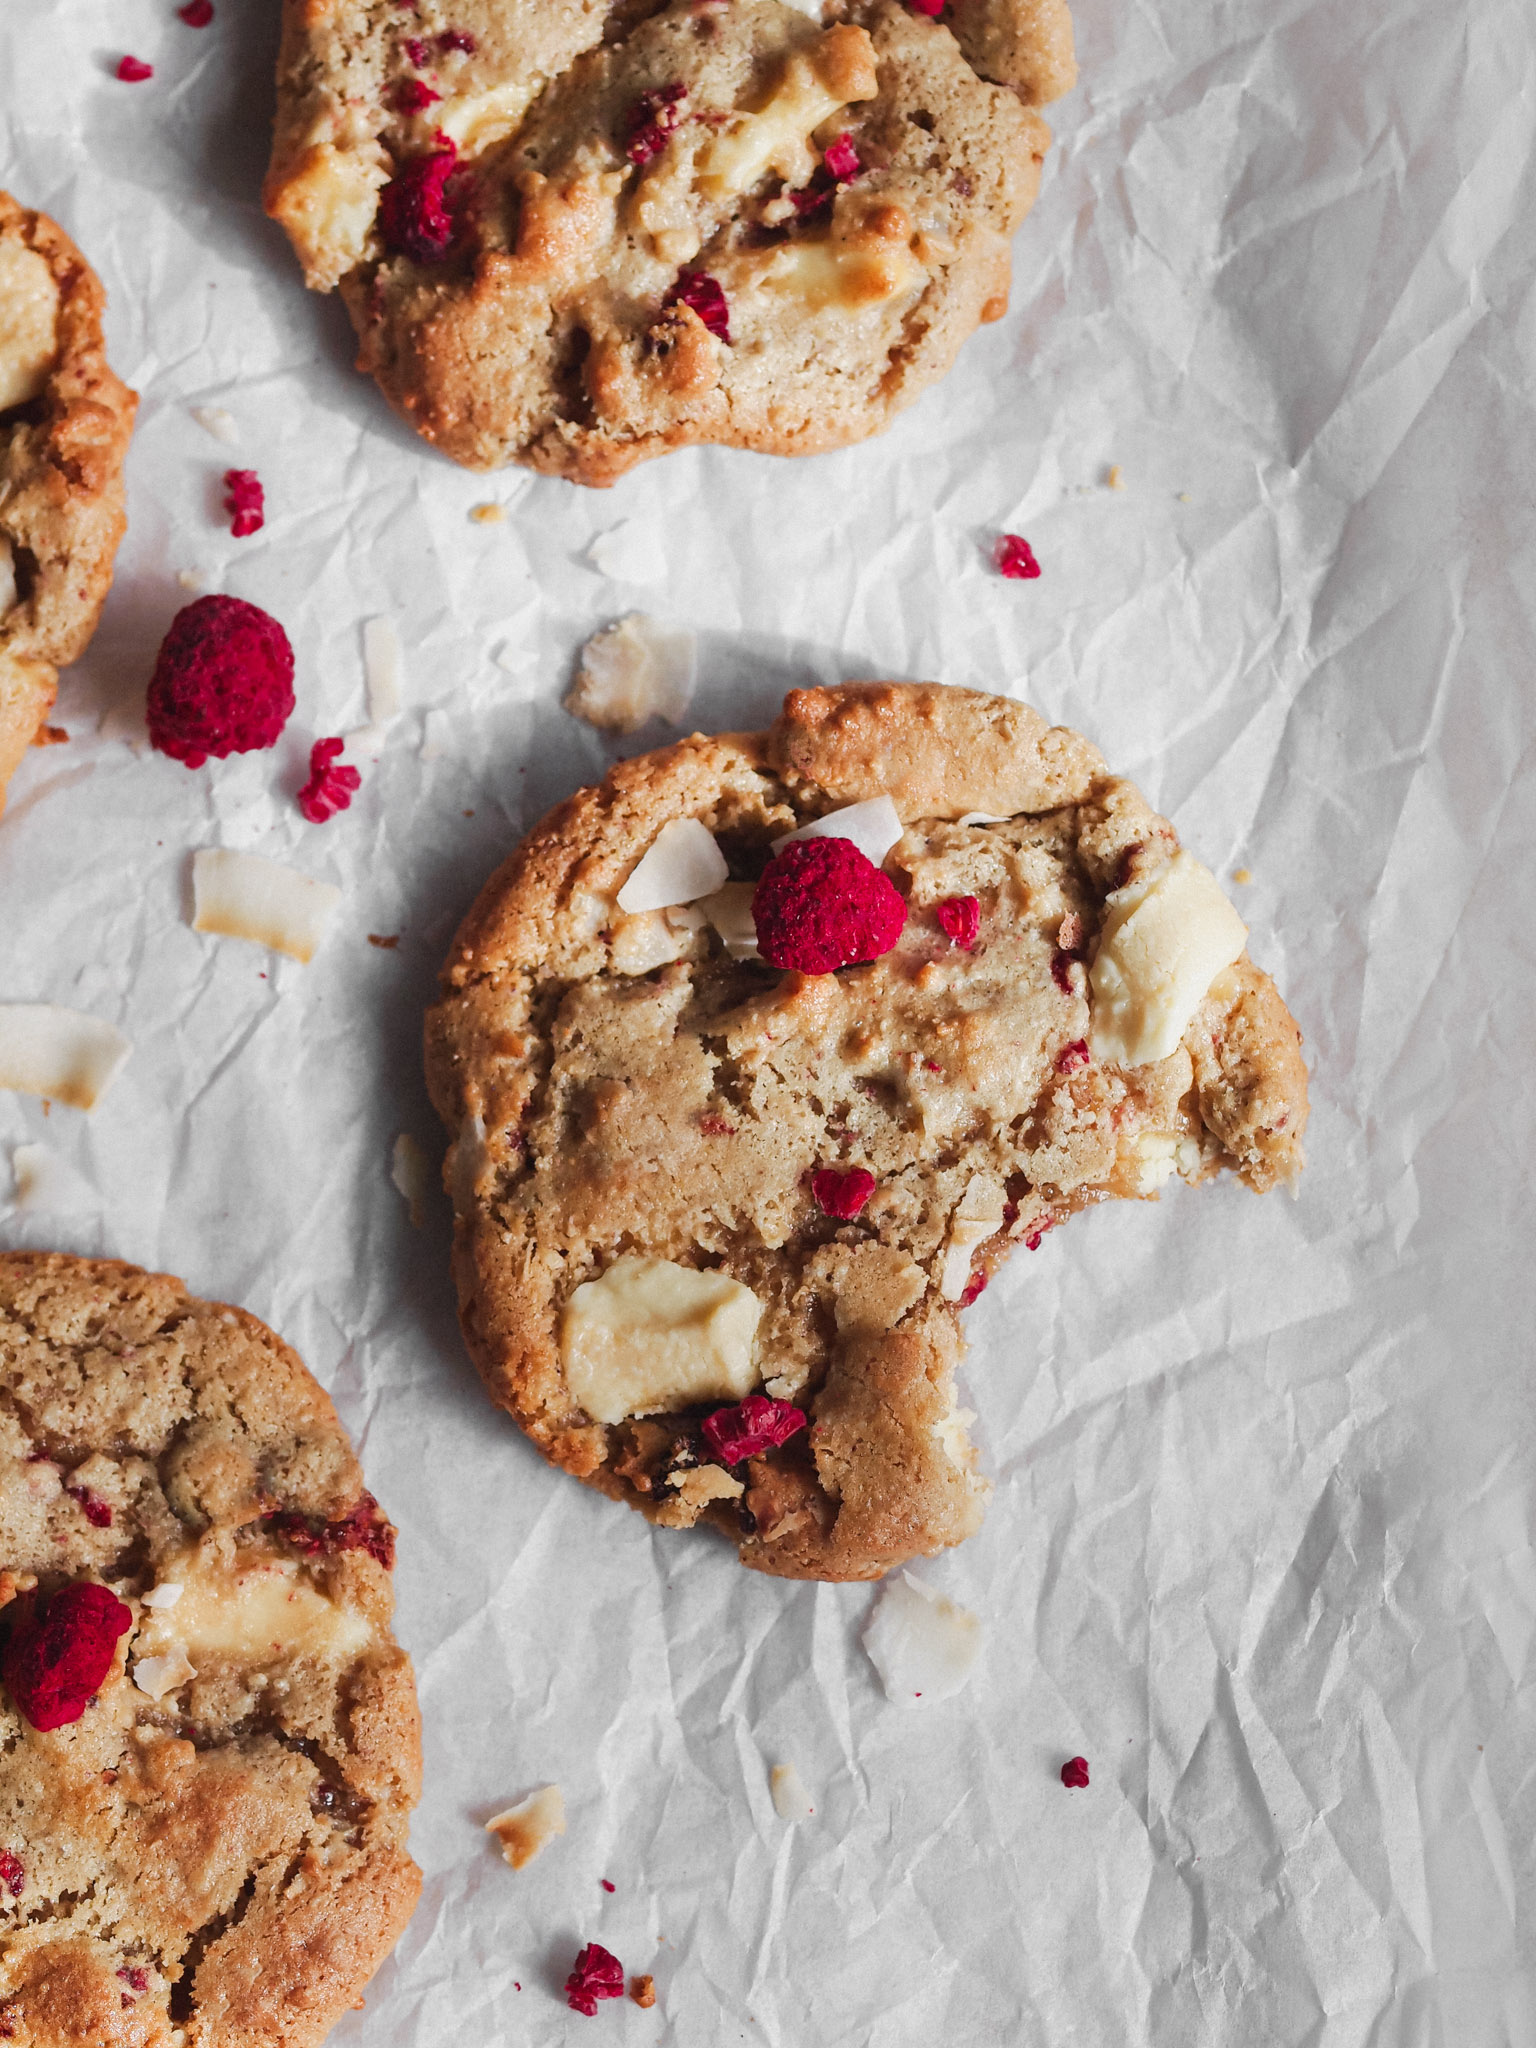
x=830 y=1159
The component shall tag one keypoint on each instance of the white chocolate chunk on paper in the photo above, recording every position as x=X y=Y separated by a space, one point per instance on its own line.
x=1163 y=942
x=62 y=1055
x=873 y=826
x=650 y=1335
x=923 y=1645
x=681 y=864
x=247 y=896
x=791 y=1801
x=523 y=1830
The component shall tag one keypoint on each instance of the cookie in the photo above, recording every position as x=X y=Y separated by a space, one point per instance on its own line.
x=65 y=420
x=717 y=1219
x=575 y=236
x=210 y=1743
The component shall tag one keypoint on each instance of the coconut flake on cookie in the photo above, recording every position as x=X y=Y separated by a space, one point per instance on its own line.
x=681 y=864
x=873 y=826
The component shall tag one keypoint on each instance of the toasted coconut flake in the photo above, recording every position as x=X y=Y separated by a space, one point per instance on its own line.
x=411 y=1171
x=523 y=1830
x=791 y=1801
x=923 y=1645
x=381 y=669
x=60 y=1054
x=633 y=670
x=729 y=910
x=246 y=896
x=46 y=1182
x=873 y=827
x=681 y=864
x=158 y=1676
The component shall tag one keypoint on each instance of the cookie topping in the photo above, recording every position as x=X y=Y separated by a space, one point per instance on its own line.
x=414 y=216
x=1164 y=940
x=631 y=671
x=245 y=498
x=29 y=321
x=1014 y=556
x=821 y=905
x=530 y=1826
x=257 y=1610
x=223 y=681
x=703 y=295
x=59 y=1654
x=417 y=51
x=791 y=1801
x=1074 y=1773
x=330 y=788
x=844 y=1194
x=456 y=39
x=873 y=826
x=247 y=896
x=932 y=8
x=681 y=864
x=754 y=1426
x=960 y=918
x=62 y=1055
x=651 y=1336
x=95 y=1510
x=596 y=1974
x=841 y=159
x=656 y=116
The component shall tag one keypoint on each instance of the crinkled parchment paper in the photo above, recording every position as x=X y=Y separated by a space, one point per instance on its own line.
x=1261 y=1542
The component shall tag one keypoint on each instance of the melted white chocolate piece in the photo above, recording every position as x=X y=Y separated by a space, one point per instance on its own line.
x=261 y=1609
x=29 y=323
x=650 y=1336
x=850 y=275
x=1164 y=941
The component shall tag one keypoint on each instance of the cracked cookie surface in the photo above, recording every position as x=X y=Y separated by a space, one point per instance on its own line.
x=577 y=235
x=629 y=1088
x=212 y=1853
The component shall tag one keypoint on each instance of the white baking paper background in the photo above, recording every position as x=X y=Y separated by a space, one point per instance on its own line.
x=1261 y=1542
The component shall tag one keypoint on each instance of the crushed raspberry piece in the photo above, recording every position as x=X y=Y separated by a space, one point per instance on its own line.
x=245 y=498
x=364 y=1527
x=411 y=95
x=703 y=295
x=932 y=8
x=596 y=1974
x=755 y=1425
x=12 y=1875
x=197 y=13
x=1015 y=558
x=656 y=116
x=95 y=1511
x=329 y=789
x=133 y=70
x=1032 y=1241
x=841 y=1194
x=414 y=217
x=223 y=681
x=975 y=1286
x=716 y=1127
x=842 y=159
x=1127 y=866
x=1061 y=971
x=607 y=1884
x=417 y=51
x=821 y=905
x=1074 y=1773
x=60 y=1652
x=960 y=919
x=1072 y=1056
x=136 y=1979
x=456 y=39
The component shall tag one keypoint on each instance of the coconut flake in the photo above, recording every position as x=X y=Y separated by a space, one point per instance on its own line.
x=158 y=1598
x=523 y=1830
x=791 y=1801
x=381 y=669
x=631 y=671
x=246 y=896
x=922 y=1644
x=62 y=1055
x=411 y=1171
x=213 y=419
x=630 y=553
x=45 y=1181
x=873 y=827
x=681 y=864
x=729 y=910
x=157 y=1676
x=982 y=818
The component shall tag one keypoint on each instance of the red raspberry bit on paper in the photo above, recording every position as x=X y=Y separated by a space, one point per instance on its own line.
x=456 y=39
x=1074 y=1773
x=703 y=295
x=752 y=1427
x=841 y=159
x=975 y=1286
x=960 y=918
x=596 y=1974
x=59 y=1653
x=417 y=51
x=12 y=1874
x=414 y=217
x=821 y=905
x=329 y=789
x=841 y=1194
x=133 y=70
x=1072 y=1056
x=607 y=1885
x=246 y=501
x=197 y=13
x=95 y=1511
x=223 y=681
x=411 y=95
x=656 y=116
x=364 y=1527
x=1015 y=558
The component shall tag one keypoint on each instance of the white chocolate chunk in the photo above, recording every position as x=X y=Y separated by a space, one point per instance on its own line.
x=681 y=864
x=29 y=323
x=166 y=1594
x=327 y=201
x=842 y=274
x=923 y=1645
x=633 y=670
x=62 y=1055
x=1160 y=1155
x=1163 y=942
x=475 y=120
x=218 y=421
x=872 y=826
x=381 y=669
x=246 y=896
x=953 y=1440
x=160 y=1675
x=978 y=1215
x=523 y=1830
x=261 y=1610
x=644 y=941
x=650 y=1336
x=777 y=138
x=791 y=1801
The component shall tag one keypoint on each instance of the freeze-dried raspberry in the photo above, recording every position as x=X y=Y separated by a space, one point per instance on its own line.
x=656 y=116
x=976 y=1285
x=1072 y=1056
x=1061 y=970
x=363 y=1527
x=414 y=216
x=704 y=295
x=841 y=159
x=411 y=95
x=716 y=1127
x=329 y=789
x=1032 y=1242
x=1015 y=557
x=755 y=1425
x=197 y=13
x=456 y=39
x=596 y=1974
x=12 y=1875
x=223 y=681
x=133 y=70
x=417 y=51
x=95 y=1511
x=1074 y=1773
x=960 y=918
x=60 y=1652
x=136 y=1979
x=841 y=1194
x=246 y=500
x=932 y=8
x=821 y=905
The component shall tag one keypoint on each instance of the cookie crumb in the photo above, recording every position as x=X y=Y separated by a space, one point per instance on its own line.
x=1242 y=876
x=488 y=514
x=530 y=1826
x=50 y=736
x=1113 y=480
x=643 y=1991
x=386 y=944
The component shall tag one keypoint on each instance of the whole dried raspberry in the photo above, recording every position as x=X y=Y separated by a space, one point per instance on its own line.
x=960 y=919
x=704 y=295
x=755 y=1425
x=12 y=1874
x=60 y=1652
x=842 y=159
x=655 y=117
x=246 y=500
x=133 y=70
x=223 y=681
x=1074 y=1773
x=411 y=95
x=1073 y=1056
x=596 y=1974
x=329 y=789
x=841 y=1194
x=1015 y=557
x=414 y=216
x=821 y=905
x=197 y=13
x=365 y=1526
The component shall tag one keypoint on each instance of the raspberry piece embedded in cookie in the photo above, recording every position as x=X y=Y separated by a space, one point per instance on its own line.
x=704 y=295
x=842 y=1195
x=414 y=216
x=412 y=96
x=821 y=905
x=841 y=159
x=60 y=1651
x=960 y=919
x=364 y=1527
x=12 y=1873
x=223 y=682
x=656 y=116
x=596 y=1974
x=752 y=1427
